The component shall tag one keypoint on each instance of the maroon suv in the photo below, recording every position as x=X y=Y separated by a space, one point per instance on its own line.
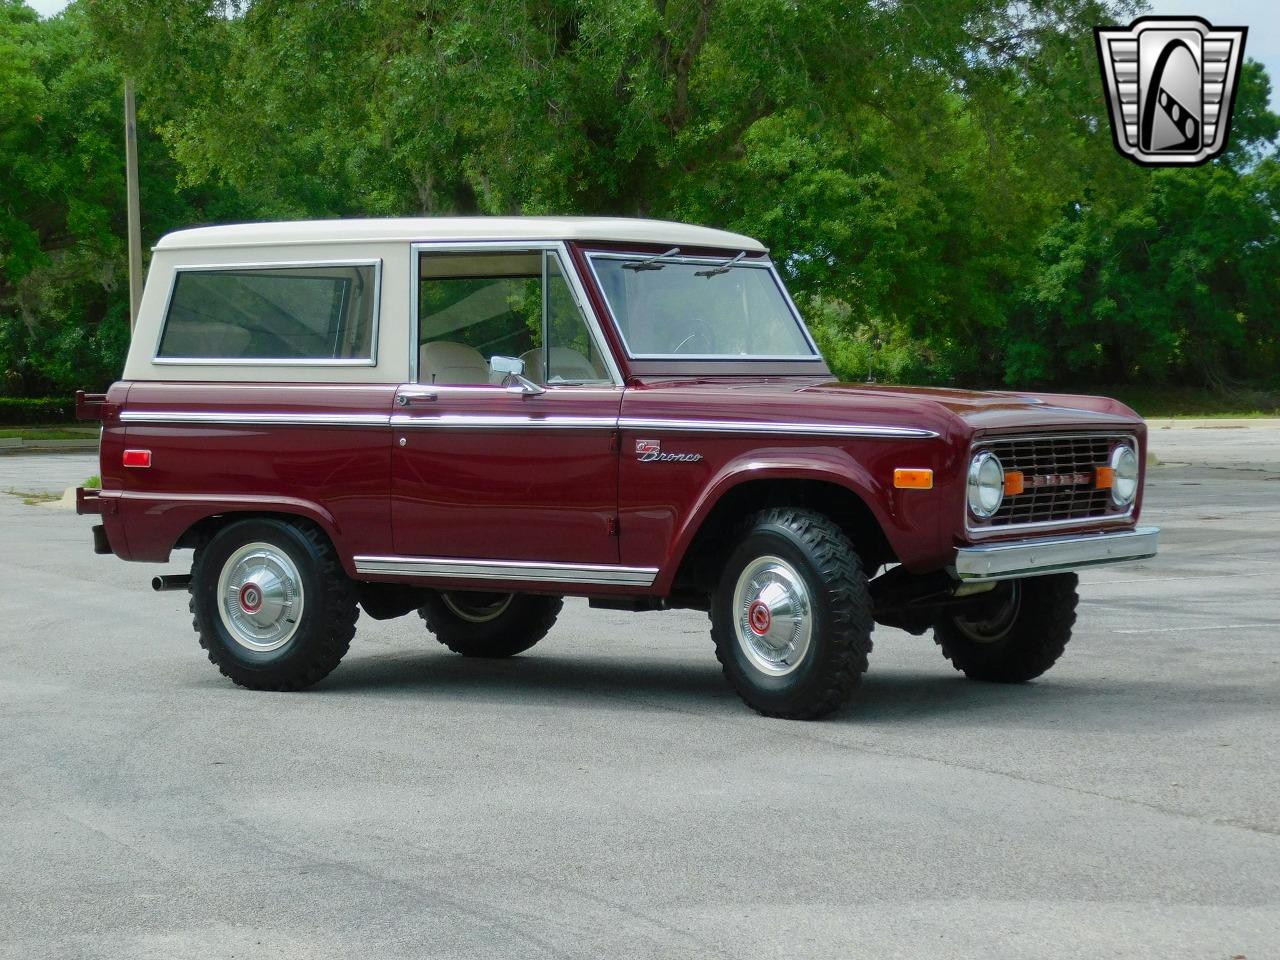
x=473 y=418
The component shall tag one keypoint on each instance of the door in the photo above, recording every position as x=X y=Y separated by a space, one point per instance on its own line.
x=486 y=467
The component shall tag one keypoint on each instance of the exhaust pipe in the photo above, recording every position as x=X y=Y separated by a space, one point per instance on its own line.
x=178 y=581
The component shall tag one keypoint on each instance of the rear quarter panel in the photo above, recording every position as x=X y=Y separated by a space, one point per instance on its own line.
x=337 y=476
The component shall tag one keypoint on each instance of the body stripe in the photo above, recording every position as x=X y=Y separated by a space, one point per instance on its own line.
x=257 y=419
x=798 y=429
x=463 y=421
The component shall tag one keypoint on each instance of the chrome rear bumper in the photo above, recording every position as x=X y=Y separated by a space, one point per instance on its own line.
x=1031 y=558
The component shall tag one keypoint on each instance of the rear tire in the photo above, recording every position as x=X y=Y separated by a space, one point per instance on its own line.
x=791 y=617
x=1016 y=635
x=271 y=603
x=489 y=625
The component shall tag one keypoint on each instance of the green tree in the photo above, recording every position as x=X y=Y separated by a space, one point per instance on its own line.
x=63 y=280
x=1180 y=281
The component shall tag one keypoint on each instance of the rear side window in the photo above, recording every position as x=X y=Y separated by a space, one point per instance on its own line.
x=321 y=313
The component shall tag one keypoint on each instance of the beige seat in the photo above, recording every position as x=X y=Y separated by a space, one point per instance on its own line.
x=566 y=363
x=442 y=361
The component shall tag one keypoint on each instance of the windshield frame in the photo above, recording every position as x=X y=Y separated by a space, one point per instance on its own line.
x=795 y=363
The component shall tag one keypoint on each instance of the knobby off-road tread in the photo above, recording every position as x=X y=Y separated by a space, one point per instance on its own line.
x=850 y=621
x=336 y=628
x=1036 y=640
x=520 y=626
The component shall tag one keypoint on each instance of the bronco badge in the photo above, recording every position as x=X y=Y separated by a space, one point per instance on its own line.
x=650 y=451
x=1171 y=83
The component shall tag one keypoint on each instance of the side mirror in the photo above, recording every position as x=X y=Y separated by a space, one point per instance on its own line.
x=509 y=372
x=500 y=368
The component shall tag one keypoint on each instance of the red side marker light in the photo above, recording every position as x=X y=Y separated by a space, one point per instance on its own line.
x=137 y=458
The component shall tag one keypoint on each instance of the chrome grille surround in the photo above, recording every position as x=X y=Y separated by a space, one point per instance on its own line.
x=1054 y=505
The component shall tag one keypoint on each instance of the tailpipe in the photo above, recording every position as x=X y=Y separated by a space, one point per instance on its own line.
x=178 y=581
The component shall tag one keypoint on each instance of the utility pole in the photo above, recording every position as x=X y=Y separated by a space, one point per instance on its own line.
x=135 y=216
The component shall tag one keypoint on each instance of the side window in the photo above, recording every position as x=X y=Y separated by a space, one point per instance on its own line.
x=320 y=313
x=474 y=306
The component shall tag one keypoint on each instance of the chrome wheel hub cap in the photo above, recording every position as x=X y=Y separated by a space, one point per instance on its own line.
x=260 y=597
x=773 y=615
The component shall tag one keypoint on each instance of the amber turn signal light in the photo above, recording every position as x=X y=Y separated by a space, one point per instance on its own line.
x=1104 y=477
x=913 y=479
x=1014 y=483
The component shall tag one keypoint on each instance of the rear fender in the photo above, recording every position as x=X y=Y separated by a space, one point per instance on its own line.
x=158 y=522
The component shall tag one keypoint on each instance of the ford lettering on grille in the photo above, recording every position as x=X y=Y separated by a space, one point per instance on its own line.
x=1059 y=478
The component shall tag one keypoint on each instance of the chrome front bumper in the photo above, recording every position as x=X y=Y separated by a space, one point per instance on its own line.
x=1032 y=558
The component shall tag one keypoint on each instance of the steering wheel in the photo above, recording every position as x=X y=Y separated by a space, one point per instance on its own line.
x=700 y=336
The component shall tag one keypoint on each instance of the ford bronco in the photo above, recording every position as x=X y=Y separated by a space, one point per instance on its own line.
x=472 y=418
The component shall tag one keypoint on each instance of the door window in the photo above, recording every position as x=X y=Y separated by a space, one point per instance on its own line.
x=474 y=306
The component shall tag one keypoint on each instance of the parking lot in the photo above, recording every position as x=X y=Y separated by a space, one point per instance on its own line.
x=606 y=795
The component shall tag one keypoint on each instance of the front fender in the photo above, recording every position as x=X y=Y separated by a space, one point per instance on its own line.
x=832 y=465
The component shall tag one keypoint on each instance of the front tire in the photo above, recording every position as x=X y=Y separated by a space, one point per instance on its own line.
x=271 y=604
x=489 y=625
x=791 y=617
x=1015 y=635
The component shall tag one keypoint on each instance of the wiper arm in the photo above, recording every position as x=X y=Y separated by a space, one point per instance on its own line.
x=652 y=263
x=723 y=268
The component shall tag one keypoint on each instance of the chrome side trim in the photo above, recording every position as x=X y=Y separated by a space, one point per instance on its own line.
x=369 y=361
x=798 y=429
x=526 y=570
x=1033 y=558
x=463 y=421
x=258 y=419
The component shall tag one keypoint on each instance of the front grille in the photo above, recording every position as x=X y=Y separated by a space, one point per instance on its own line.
x=1065 y=465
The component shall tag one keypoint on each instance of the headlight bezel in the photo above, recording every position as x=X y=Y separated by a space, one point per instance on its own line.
x=984 y=460
x=1124 y=451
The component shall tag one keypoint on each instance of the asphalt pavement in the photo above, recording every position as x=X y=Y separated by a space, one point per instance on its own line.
x=606 y=795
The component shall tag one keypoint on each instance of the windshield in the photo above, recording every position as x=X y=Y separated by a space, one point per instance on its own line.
x=700 y=309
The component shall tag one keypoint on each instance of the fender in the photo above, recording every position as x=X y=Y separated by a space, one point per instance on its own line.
x=832 y=465
x=156 y=521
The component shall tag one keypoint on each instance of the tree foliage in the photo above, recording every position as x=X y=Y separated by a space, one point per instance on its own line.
x=935 y=177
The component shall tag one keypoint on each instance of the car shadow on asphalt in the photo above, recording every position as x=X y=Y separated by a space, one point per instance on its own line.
x=525 y=677
x=886 y=697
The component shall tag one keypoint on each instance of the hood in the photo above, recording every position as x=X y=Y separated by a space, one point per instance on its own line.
x=803 y=399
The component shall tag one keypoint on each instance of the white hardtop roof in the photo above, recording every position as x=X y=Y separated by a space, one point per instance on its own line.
x=608 y=229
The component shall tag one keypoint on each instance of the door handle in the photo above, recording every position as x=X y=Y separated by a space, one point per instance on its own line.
x=405 y=399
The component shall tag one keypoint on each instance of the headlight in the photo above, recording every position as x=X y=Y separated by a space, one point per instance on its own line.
x=986 y=485
x=1124 y=475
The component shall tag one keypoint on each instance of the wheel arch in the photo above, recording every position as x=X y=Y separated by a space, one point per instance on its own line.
x=706 y=536
x=200 y=530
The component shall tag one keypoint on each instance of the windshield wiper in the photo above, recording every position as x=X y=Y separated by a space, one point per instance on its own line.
x=652 y=263
x=723 y=268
